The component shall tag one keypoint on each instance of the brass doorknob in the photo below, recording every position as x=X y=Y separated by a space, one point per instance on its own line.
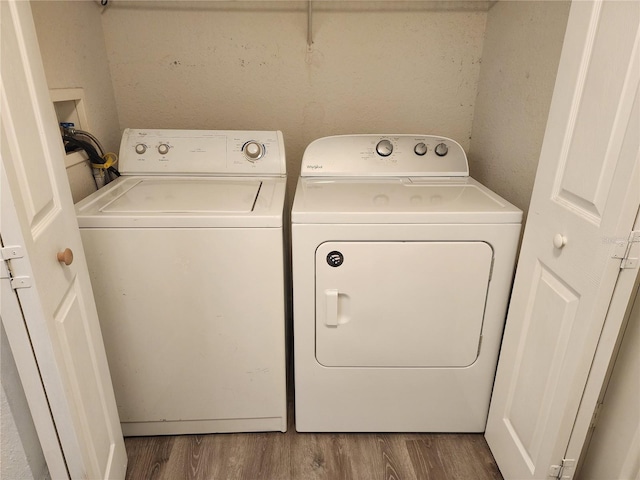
x=65 y=257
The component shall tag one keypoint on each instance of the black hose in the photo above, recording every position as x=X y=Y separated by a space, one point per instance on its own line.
x=92 y=153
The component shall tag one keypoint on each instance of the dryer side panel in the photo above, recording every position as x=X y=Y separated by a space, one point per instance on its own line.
x=400 y=304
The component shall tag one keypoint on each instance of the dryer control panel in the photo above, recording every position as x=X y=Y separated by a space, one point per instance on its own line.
x=384 y=155
x=202 y=152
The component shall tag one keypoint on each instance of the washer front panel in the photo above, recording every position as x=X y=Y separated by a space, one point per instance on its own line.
x=400 y=304
x=193 y=323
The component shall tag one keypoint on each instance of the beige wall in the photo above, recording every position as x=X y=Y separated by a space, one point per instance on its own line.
x=71 y=40
x=74 y=56
x=520 y=59
x=374 y=67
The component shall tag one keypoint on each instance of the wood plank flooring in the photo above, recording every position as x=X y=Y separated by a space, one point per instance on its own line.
x=311 y=456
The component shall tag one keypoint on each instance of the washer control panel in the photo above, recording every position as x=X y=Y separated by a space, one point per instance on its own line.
x=215 y=152
x=385 y=155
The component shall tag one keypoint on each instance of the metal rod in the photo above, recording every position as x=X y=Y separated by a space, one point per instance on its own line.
x=309 y=24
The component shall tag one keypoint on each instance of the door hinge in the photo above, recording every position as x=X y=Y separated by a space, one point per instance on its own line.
x=564 y=471
x=11 y=253
x=627 y=250
x=20 y=282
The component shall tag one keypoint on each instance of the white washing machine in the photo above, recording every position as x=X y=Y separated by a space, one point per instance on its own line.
x=185 y=252
x=402 y=269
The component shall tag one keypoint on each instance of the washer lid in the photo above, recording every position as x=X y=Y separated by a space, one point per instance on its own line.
x=184 y=202
x=188 y=195
x=399 y=200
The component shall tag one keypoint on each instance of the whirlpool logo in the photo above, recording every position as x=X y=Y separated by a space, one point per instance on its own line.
x=314 y=167
x=335 y=258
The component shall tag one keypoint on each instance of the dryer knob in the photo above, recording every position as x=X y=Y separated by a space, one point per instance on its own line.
x=384 y=148
x=441 y=149
x=420 y=149
x=141 y=148
x=163 y=149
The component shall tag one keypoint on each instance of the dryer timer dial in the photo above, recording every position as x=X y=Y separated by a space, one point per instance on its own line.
x=384 y=148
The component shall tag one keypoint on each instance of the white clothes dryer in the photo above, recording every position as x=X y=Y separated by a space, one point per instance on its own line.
x=402 y=269
x=186 y=258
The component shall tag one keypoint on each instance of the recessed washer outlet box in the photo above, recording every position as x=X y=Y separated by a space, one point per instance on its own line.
x=69 y=106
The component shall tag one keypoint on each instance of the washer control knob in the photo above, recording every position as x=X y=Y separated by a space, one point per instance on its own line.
x=441 y=149
x=384 y=148
x=141 y=148
x=420 y=149
x=253 y=150
x=163 y=149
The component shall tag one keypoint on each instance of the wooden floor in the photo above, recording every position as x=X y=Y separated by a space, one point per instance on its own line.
x=311 y=456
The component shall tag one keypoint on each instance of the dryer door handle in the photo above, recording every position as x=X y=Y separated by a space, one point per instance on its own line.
x=331 y=307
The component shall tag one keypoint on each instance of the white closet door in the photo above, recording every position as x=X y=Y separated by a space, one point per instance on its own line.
x=586 y=194
x=38 y=222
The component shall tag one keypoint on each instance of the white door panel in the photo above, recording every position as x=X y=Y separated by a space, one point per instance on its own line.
x=590 y=149
x=56 y=301
x=561 y=293
x=544 y=343
x=401 y=304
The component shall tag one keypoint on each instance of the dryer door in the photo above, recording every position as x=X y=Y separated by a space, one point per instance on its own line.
x=400 y=304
